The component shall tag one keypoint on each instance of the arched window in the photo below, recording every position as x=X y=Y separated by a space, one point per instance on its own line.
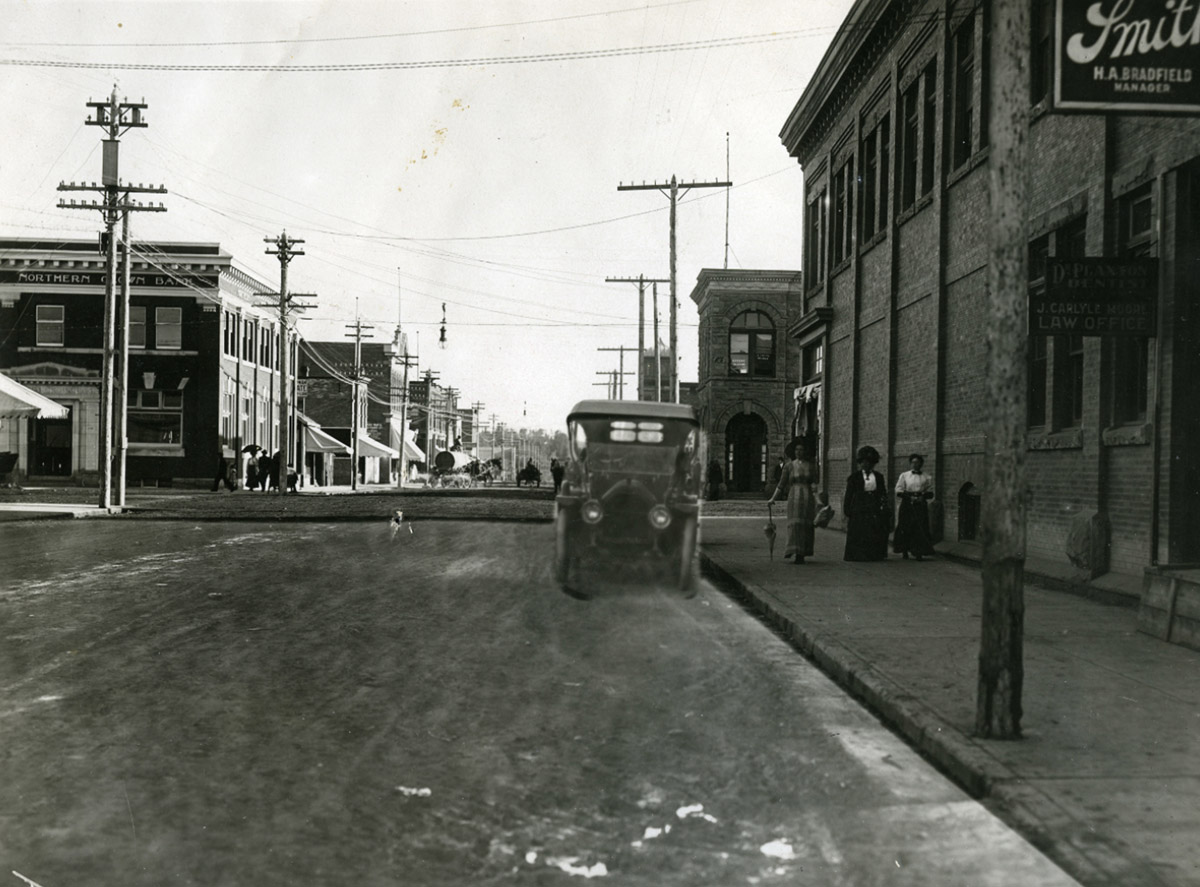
x=752 y=345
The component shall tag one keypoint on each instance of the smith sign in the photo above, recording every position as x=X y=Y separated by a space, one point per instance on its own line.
x=1136 y=56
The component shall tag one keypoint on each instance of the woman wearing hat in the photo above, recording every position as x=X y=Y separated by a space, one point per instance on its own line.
x=913 y=489
x=796 y=482
x=866 y=507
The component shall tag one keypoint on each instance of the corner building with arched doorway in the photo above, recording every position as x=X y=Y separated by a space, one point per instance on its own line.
x=747 y=373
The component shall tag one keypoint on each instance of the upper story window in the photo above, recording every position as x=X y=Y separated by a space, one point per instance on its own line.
x=50 y=324
x=812 y=362
x=264 y=347
x=962 y=96
x=137 y=326
x=168 y=327
x=1128 y=359
x=843 y=206
x=752 y=345
x=875 y=179
x=229 y=340
x=815 y=221
x=916 y=139
x=249 y=328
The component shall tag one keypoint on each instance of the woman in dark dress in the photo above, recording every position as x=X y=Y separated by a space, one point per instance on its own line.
x=866 y=507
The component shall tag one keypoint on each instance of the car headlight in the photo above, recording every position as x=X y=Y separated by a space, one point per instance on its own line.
x=660 y=517
x=591 y=512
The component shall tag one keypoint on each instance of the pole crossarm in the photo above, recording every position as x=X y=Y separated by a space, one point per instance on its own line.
x=671 y=190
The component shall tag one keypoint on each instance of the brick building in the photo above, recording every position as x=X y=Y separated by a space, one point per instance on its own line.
x=747 y=373
x=327 y=370
x=892 y=136
x=204 y=362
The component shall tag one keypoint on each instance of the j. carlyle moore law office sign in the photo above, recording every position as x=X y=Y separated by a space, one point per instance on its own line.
x=1096 y=297
x=1128 y=55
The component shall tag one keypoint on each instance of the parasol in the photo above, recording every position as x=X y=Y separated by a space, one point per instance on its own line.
x=769 y=532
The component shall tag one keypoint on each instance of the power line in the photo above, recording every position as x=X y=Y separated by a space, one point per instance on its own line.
x=291 y=41
x=482 y=61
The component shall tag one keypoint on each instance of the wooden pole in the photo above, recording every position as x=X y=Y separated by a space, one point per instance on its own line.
x=1001 y=653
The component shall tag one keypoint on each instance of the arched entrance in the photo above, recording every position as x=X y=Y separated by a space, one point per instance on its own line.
x=746 y=453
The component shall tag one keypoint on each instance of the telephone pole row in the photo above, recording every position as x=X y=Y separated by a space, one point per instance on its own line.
x=360 y=330
x=641 y=280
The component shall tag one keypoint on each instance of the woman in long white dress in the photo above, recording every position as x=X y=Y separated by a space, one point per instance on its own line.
x=797 y=483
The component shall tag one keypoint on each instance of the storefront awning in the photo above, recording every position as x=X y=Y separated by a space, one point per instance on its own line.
x=412 y=452
x=17 y=401
x=369 y=447
x=317 y=441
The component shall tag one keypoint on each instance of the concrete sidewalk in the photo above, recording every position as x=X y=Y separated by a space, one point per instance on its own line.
x=1106 y=780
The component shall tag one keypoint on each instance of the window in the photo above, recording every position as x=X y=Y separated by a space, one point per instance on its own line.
x=875 y=183
x=814 y=241
x=230 y=337
x=752 y=345
x=248 y=329
x=1055 y=362
x=137 y=326
x=963 y=96
x=908 y=148
x=155 y=418
x=50 y=324
x=813 y=363
x=1068 y=381
x=843 y=230
x=1129 y=359
x=168 y=327
x=228 y=399
x=1041 y=68
x=929 y=128
x=915 y=150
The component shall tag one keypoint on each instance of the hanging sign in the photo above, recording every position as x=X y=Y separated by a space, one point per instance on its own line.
x=1096 y=297
x=1136 y=56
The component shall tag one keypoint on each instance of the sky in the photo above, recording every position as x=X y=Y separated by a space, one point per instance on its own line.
x=465 y=154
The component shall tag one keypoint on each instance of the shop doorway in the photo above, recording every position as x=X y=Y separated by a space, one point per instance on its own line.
x=746 y=453
x=50 y=447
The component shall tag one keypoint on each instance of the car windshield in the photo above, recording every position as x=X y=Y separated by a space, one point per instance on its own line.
x=631 y=458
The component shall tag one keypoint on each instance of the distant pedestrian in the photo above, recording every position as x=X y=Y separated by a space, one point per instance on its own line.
x=252 y=470
x=797 y=483
x=716 y=477
x=274 y=470
x=914 y=489
x=557 y=471
x=293 y=479
x=222 y=476
x=264 y=470
x=865 y=505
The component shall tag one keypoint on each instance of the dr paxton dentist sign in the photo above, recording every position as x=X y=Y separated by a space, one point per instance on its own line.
x=1128 y=55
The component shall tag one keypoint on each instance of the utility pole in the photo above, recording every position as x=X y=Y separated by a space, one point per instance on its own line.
x=1001 y=652
x=613 y=383
x=492 y=438
x=285 y=249
x=407 y=361
x=116 y=117
x=657 y=351
x=360 y=330
x=623 y=374
x=641 y=280
x=673 y=192
x=476 y=431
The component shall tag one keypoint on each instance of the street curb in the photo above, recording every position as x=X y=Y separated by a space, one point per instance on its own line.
x=1024 y=807
x=968 y=765
x=149 y=514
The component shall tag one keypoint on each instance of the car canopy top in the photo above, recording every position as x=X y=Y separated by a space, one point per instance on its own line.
x=632 y=409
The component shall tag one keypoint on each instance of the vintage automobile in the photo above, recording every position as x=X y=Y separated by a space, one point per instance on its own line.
x=631 y=490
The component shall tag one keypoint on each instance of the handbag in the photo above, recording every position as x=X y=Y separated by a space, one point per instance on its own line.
x=824 y=516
